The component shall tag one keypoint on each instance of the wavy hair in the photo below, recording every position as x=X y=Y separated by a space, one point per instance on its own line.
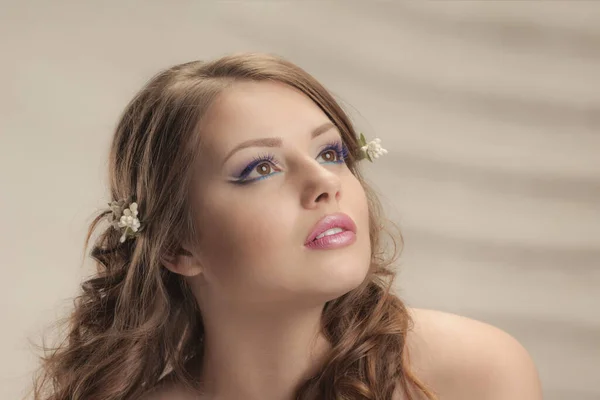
x=134 y=321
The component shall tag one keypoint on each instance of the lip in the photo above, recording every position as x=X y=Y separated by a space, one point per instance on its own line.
x=337 y=220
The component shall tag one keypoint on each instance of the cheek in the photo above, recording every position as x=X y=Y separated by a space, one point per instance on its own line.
x=360 y=208
x=241 y=237
x=356 y=202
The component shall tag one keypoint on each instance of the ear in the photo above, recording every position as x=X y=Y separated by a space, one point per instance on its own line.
x=182 y=262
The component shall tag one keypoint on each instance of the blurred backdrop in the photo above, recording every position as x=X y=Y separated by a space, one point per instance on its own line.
x=490 y=111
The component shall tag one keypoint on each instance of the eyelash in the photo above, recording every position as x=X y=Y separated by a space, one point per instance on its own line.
x=340 y=149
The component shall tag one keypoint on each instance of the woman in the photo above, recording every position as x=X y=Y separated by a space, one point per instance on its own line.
x=253 y=267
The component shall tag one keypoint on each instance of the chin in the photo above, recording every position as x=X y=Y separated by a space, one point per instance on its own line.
x=337 y=277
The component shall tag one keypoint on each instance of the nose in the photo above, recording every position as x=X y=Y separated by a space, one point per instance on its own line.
x=321 y=186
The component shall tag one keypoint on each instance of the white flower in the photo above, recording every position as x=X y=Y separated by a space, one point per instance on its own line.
x=129 y=221
x=373 y=149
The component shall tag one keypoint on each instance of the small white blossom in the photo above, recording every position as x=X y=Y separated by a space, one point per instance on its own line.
x=129 y=221
x=373 y=149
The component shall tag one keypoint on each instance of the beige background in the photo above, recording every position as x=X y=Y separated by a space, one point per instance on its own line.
x=490 y=110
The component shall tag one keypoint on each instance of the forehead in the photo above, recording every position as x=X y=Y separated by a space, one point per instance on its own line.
x=252 y=110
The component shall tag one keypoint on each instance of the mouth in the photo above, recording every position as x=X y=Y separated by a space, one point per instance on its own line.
x=332 y=231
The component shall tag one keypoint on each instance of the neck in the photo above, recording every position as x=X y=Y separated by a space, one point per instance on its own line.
x=259 y=355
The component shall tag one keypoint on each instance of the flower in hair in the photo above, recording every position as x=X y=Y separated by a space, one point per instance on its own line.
x=372 y=149
x=125 y=218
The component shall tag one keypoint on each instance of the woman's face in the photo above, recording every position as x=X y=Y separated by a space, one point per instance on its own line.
x=271 y=169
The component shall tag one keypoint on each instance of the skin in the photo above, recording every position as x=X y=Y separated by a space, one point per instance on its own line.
x=261 y=291
x=460 y=358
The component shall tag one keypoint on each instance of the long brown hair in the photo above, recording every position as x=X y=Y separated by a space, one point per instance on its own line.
x=134 y=320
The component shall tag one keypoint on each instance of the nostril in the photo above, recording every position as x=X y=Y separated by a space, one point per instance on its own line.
x=322 y=196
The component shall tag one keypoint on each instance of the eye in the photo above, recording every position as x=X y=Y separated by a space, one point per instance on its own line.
x=334 y=152
x=260 y=171
x=260 y=168
x=329 y=156
x=263 y=169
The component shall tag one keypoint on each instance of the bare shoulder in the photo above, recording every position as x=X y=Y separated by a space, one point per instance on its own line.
x=461 y=358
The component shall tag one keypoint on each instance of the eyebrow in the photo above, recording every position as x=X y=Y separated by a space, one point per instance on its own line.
x=276 y=141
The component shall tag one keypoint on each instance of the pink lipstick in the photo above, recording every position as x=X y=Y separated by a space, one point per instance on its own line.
x=331 y=232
